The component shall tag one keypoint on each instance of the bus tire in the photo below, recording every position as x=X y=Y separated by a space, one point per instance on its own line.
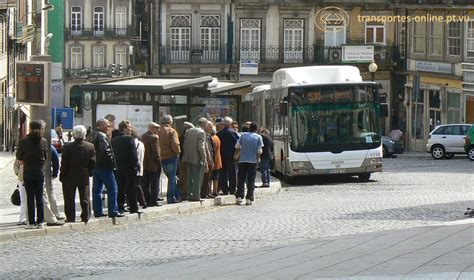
x=364 y=177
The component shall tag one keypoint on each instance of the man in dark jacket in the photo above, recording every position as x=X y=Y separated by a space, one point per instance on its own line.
x=127 y=166
x=151 y=165
x=266 y=158
x=77 y=164
x=228 y=137
x=104 y=171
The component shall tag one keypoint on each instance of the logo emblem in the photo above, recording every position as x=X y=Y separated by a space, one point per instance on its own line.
x=333 y=16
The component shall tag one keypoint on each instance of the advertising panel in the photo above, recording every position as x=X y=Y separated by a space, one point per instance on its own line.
x=138 y=115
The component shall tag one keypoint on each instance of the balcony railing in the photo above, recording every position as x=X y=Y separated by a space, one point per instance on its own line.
x=223 y=54
x=333 y=55
x=100 y=32
x=275 y=55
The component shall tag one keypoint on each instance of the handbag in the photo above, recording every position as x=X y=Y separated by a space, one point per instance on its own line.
x=15 y=198
x=237 y=155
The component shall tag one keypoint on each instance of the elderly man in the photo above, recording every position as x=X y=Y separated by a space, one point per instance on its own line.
x=195 y=157
x=77 y=164
x=151 y=165
x=228 y=137
x=169 y=152
x=126 y=155
x=104 y=171
x=183 y=185
x=205 y=188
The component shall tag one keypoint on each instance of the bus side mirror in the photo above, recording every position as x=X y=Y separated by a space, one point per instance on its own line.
x=284 y=109
x=383 y=110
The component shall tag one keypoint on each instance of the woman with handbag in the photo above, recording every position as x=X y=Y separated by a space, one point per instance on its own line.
x=33 y=152
x=18 y=169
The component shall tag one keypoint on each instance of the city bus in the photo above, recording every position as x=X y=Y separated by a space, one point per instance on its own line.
x=323 y=120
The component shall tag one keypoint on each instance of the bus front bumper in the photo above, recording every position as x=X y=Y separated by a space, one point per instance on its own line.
x=369 y=165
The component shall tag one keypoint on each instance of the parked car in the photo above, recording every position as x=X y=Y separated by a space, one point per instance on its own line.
x=390 y=147
x=447 y=140
x=55 y=141
x=469 y=143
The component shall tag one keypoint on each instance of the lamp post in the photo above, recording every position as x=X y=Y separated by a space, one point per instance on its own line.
x=372 y=69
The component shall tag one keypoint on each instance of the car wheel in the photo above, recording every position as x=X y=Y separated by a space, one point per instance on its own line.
x=437 y=152
x=364 y=177
x=449 y=156
x=470 y=153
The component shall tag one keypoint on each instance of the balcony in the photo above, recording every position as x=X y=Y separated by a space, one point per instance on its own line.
x=94 y=33
x=387 y=55
x=333 y=55
x=224 y=55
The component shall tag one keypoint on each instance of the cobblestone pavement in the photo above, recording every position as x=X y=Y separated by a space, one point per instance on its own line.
x=413 y=191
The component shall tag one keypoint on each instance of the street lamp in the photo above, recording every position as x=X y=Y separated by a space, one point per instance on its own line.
x=372 y=69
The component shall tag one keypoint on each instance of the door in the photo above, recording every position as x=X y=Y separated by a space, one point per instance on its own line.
x=469 y=108
x=293 y=41
x=180 y=44
x=76 y=20
x=210 y=37
x=250 y=40
x=121 y=21
x=98 y=21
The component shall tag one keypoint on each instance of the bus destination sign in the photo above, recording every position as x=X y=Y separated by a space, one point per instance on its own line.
x=333 y=96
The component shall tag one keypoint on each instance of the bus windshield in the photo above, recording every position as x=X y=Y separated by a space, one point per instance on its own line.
x=333 y=118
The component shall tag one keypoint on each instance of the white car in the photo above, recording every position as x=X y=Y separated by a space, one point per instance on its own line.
x=446 y=140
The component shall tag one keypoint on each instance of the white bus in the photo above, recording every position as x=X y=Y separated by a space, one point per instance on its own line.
x=323 y=120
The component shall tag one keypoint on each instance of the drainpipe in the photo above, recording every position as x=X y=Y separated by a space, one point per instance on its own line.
x=160 y=66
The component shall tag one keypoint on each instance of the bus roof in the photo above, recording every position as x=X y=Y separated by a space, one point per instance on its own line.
x=313 y=75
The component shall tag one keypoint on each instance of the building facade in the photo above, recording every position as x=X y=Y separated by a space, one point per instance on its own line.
x=192 y=38
x=436 y=46
x=98 y=44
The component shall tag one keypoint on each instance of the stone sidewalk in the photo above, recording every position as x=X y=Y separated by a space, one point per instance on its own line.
x=434 y=252
x=10 y=230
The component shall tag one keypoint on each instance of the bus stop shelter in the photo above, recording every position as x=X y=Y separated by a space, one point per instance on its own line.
x=144 y=99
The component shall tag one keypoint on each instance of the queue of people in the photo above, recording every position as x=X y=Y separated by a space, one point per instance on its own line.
x=206 y=160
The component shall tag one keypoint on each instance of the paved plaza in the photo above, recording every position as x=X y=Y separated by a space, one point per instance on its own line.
x=406 y=222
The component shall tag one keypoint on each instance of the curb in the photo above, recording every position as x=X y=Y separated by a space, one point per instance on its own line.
x=148 y=214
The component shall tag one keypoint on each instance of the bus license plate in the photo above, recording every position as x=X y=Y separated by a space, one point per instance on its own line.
x=336 y=171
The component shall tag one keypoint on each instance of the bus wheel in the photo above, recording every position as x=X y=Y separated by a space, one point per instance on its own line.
x=364 y=177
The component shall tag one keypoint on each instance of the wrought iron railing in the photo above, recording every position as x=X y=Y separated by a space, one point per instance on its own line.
x=99 y=32
x=224 y=54
x=276 y=54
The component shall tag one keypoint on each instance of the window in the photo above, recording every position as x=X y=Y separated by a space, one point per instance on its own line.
x=293 y=40
x=436 y=38
x=121 y=56
x=454 y=38
x=98 y=21
x=98 y=57
x=470 y=38
x=76 y=20
x=375 y=33
x=76 y=58
x=334 y=35
x=121 y=20
x=180 y=38
x=454 y=107
x=210 y=37
x=250 y=39
x=419 y=29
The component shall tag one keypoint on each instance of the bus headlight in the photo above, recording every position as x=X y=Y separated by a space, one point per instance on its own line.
x=301 y=165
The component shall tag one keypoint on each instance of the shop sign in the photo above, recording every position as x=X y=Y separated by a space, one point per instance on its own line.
x=431 y=66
